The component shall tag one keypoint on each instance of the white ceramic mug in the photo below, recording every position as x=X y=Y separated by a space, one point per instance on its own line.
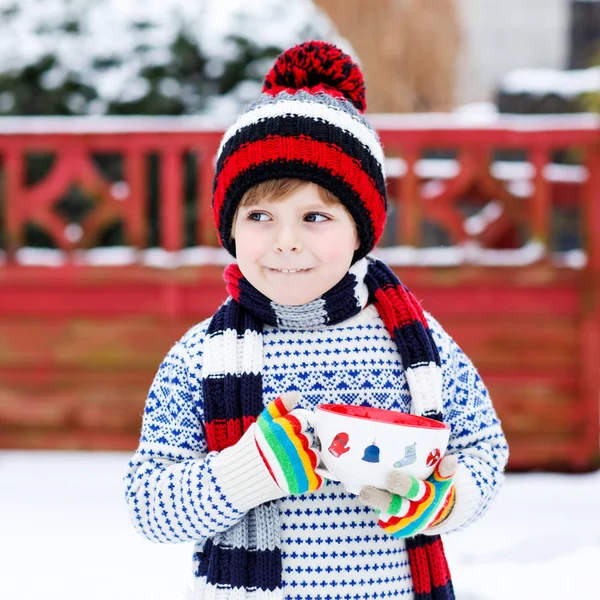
x=361 y=445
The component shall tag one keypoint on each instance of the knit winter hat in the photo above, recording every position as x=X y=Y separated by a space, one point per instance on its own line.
x=307 y=124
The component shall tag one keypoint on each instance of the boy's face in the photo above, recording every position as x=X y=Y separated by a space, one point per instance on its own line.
x=299 y=233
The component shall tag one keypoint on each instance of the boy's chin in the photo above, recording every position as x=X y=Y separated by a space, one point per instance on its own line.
x=290 y=290
x=287 y=300
x=291 y=296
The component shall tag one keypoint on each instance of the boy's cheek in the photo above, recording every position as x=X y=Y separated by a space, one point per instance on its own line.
x=334 y=249
x=250 y=244
x=250 y=257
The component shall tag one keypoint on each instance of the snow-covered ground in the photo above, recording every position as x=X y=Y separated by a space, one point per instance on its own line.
x=65 y=534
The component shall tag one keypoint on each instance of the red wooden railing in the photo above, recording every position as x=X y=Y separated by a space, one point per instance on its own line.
x=79 y=343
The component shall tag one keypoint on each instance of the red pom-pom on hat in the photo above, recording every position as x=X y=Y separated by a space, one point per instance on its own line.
x=317 y=67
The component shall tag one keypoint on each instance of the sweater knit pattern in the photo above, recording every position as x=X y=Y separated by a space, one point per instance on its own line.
x=332 y=546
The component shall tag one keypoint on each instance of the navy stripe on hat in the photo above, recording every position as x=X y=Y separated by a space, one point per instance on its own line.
x=314 y=128
x=307 y=172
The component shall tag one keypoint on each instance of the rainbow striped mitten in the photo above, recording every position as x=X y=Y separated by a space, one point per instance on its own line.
x=286 y=446
x=414 y=504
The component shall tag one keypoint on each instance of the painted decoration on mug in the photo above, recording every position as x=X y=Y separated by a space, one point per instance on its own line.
x=371 y=453
x=409 y=458
x=434 y=457
x=339 y=445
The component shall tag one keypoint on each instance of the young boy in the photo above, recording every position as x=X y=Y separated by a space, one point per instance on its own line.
x=224 y=460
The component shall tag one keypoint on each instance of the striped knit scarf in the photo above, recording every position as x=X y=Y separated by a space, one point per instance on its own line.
x=245 y=561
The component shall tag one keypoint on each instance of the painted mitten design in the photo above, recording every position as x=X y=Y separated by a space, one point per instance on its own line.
x=286 y=446
x=411 y=504
x=339 y=445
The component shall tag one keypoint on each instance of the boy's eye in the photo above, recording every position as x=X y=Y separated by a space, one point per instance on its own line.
x=316 y=218
x=258 y=216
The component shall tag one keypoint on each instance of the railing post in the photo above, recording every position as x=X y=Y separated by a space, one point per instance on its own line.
x=540 y=202
x=14 y=173
x=171 y=193
x=135 y=173
x=205 y=230
x=408 y=213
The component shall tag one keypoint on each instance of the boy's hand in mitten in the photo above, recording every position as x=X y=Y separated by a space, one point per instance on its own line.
x=411 y=504
x=286 y=447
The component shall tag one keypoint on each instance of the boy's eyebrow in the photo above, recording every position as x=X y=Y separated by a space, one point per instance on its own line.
x=322 y=206
x=266 y=204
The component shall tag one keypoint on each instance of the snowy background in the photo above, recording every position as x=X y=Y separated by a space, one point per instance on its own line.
x=64 y=528
x=65 y=534
x=106 y=55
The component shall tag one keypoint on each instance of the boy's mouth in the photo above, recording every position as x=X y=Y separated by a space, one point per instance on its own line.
x=288 y=271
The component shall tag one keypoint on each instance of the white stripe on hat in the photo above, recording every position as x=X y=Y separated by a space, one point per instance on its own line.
x=313 y=110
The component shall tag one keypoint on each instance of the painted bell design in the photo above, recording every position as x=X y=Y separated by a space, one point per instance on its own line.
x=339 y=445
x=371 y=454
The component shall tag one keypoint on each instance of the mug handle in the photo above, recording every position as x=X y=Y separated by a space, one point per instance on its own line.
x=311 y=418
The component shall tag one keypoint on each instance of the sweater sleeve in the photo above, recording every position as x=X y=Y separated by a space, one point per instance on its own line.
x=476 y=438
x=176 y=490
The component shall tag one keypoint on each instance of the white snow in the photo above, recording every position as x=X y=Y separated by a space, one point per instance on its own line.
x=395 y=256
x=45 y=257
x=481 y=110
x=405 y=256
x=485 y=120
x=66 y=535
x=220 y=120
x=572 y=259
x=552 y=81
x=469 y=253
x=476 y=224
x=136 y=34
x=112 y=124
x=447 y=168
x=426 y=168
x=197 y=256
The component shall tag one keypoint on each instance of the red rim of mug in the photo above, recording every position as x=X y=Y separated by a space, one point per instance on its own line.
x=381 y=415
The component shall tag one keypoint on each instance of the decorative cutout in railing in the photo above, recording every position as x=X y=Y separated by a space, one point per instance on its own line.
x=470 y=202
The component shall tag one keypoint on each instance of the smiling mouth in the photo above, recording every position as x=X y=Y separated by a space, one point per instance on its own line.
x=288 y=271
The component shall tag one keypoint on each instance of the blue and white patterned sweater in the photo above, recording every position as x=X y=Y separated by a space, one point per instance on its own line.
x=332 y=546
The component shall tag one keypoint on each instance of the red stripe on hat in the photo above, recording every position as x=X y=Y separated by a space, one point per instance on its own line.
x=320 y=154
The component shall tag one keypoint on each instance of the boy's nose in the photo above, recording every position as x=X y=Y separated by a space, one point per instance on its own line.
x=287 y=241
